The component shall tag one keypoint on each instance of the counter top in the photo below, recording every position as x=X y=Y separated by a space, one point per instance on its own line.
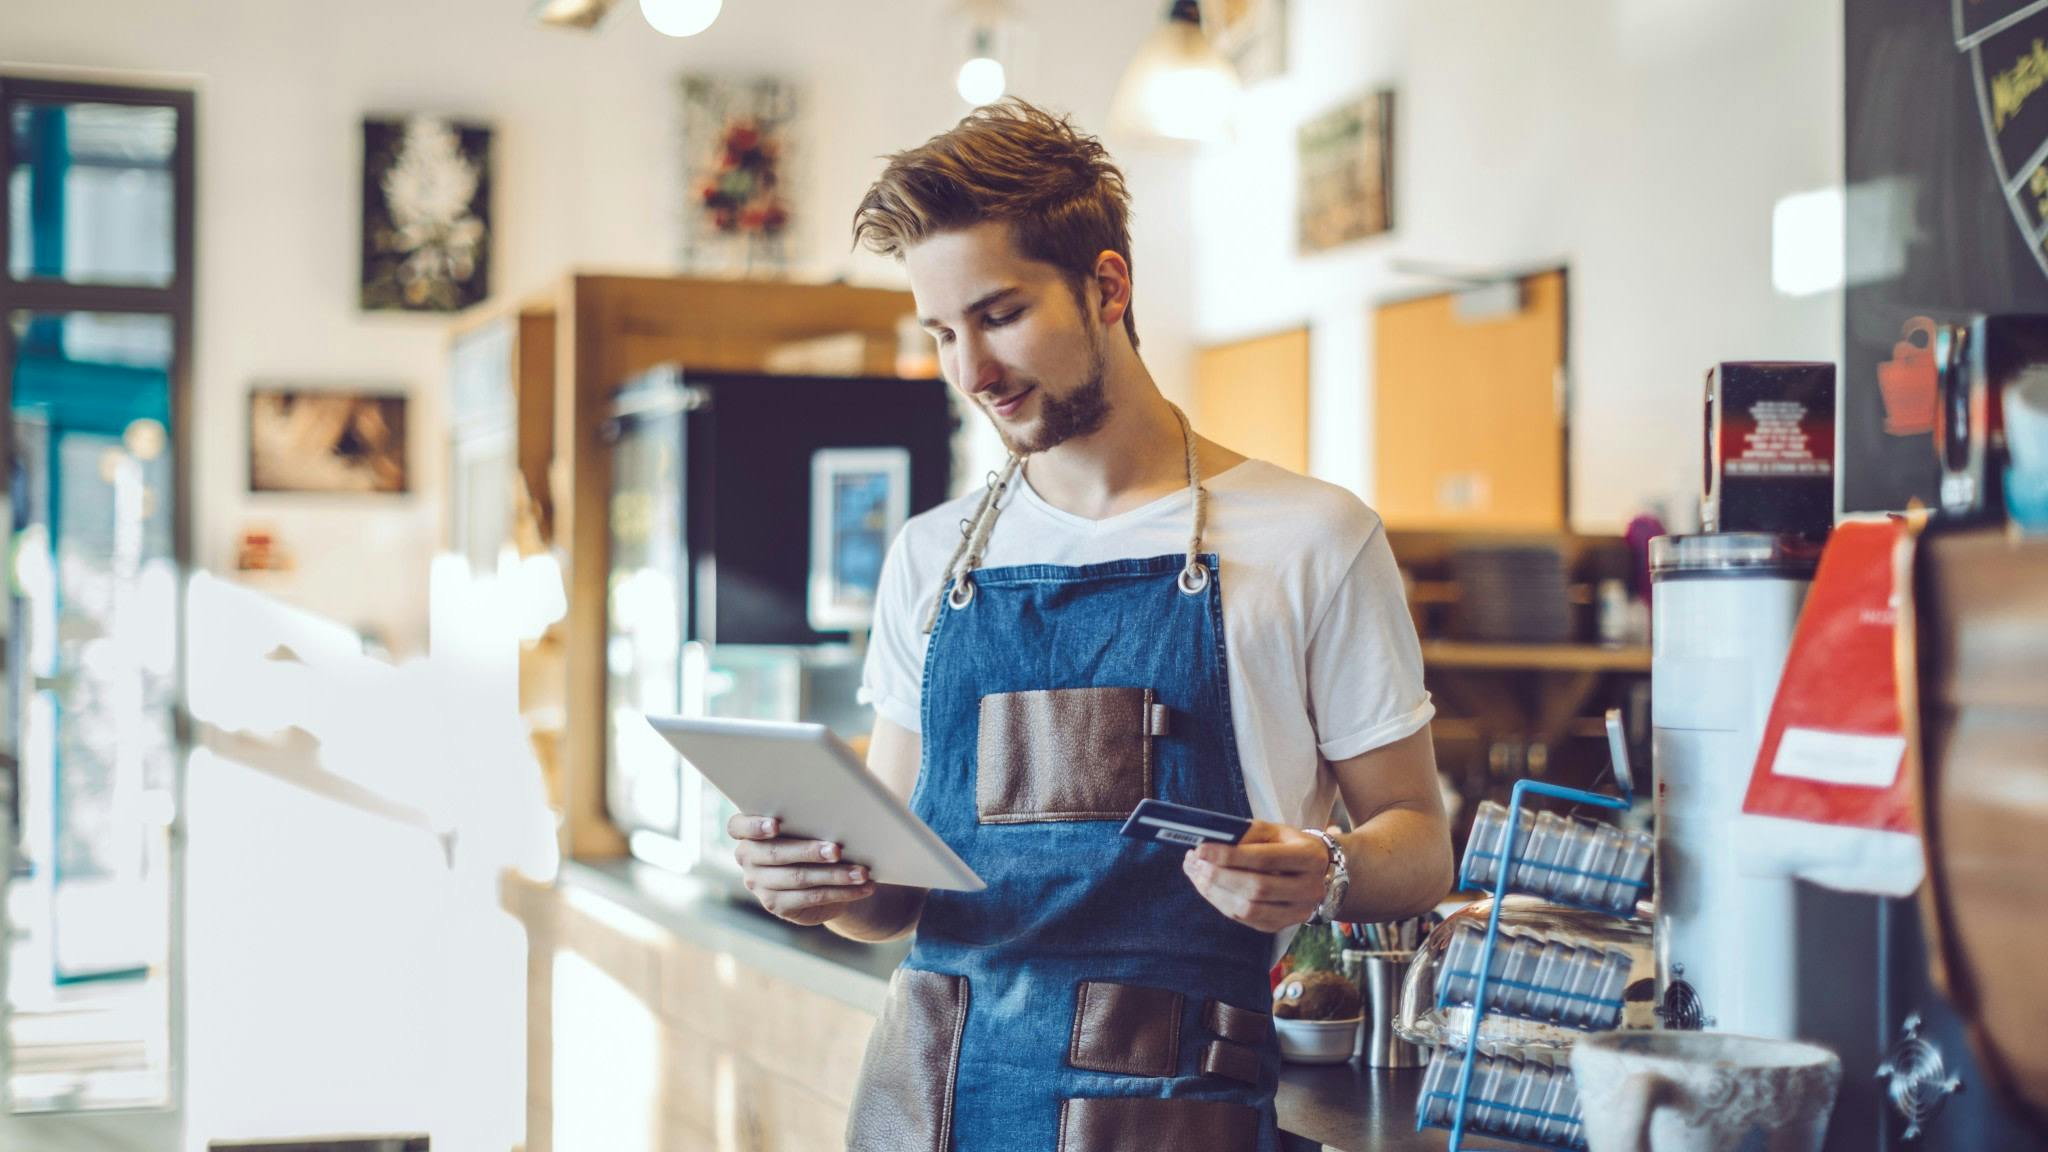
x=709 y=915
x=1356 y=1109
x=1342 y=1107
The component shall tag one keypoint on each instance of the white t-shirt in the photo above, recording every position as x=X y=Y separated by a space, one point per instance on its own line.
x=1322 y=656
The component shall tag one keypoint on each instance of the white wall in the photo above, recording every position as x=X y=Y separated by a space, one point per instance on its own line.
x=587 y=175
x=1642 y=144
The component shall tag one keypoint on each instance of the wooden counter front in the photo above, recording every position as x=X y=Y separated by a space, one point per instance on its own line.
x=662 y=1016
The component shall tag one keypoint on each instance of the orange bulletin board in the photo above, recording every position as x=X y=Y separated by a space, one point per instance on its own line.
x=1251 y=396
x=1468 y=397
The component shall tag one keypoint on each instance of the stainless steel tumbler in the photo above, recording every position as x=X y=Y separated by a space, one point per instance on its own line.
x=1383 y=1048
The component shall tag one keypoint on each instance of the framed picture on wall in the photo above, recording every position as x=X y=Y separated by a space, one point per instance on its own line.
x=740 y=149
x=1347 y=173
x=327 y=440
x=426 y=215
x=860 y=498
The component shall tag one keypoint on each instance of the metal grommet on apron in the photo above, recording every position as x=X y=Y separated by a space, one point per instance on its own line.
x=962 y=594
x=1082 y=996
x=958 y=589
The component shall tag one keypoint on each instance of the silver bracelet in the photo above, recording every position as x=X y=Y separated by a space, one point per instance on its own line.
x=1335 y=883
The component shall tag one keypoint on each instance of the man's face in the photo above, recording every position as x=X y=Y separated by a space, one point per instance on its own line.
x=1012 y=338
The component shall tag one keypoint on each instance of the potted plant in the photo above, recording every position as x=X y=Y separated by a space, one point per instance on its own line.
x=1316 y=1008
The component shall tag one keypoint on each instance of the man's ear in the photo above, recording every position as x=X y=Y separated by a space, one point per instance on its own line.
x=1113 y=288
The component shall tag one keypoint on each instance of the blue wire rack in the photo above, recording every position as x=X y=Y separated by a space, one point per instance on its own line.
x=1443 y=996
x=1502 y=883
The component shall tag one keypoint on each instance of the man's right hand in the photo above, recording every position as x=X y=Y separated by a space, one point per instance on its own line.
x=801 y=881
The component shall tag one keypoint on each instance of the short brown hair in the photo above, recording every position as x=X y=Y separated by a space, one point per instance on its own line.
x=1055 y=186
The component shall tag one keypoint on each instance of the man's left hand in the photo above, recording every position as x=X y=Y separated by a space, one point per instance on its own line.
x=1270 y=880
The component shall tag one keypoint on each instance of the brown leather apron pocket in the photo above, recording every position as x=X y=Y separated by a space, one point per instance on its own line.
x=1065 y=754
x=905 y=1099
x=1243 y=1025
x=1142 y=1124
x=1125 y=1029
x=1234 y=1061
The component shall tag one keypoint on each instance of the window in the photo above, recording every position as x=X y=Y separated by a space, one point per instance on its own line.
x=95 y=339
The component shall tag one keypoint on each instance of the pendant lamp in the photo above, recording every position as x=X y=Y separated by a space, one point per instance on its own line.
x=1178 y=87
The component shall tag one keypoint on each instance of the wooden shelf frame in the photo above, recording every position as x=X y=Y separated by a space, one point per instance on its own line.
x=1466 y=655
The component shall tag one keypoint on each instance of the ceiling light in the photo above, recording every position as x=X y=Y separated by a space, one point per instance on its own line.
x=583 y=14
x=985 y=26
x=1178 y=87
x=981 y=80
x=680 y=17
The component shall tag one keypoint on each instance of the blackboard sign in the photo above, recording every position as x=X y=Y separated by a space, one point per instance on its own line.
x=1947 y=214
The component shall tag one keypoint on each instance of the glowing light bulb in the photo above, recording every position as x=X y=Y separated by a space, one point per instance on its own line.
x=981 y=81
x=680 y=17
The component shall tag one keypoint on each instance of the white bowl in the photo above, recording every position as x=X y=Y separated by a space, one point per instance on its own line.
x=1317 y=1041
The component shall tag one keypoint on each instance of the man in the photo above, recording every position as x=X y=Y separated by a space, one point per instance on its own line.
x=1052 y=650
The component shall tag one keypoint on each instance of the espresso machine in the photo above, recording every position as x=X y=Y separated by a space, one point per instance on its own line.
x=1762 y=955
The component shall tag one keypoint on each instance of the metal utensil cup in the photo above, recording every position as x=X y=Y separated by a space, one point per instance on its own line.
x=1382 y=1047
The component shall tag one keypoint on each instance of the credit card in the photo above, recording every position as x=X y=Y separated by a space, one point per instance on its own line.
x=1165 y=823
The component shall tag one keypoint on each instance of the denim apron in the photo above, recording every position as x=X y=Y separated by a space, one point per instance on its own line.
x=1089 y=1000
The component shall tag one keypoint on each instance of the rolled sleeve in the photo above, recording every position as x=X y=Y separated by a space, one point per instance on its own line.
x=1364 y=661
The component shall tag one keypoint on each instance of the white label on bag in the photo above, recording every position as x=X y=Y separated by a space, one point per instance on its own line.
x=1840 y=757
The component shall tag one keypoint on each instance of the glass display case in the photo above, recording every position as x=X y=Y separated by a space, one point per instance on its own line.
x=714 y=556
x=645 y=615
x=671 y=816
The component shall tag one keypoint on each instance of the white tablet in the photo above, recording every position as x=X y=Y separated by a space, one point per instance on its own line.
x=806 y=777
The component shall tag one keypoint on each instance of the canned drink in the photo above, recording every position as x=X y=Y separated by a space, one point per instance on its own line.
x=1526 y=825
x=1460 y=977
x=1529 y=875
x=1522 y=960
x=1544 y=1002
x=1567 y=1104
x=1637 y=848
x=1486 y=1110
x=1571 y=1011
x=1565 y=1009
x=1560 y=1106
x=1439 y=1084
x=1583 y=982
x=1580 y=978
x=1500 y=994
x=1573 y=861
x=1613 y=985
x=1482 y=848
x=1539 y=950
x=1527 y=1121
x=1610 y=894
x=1535 y=858
x=1604 y=863
x=1564 y=860
x=1562 y=866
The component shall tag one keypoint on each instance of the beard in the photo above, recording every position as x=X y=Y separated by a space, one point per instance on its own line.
x=1080 y=412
